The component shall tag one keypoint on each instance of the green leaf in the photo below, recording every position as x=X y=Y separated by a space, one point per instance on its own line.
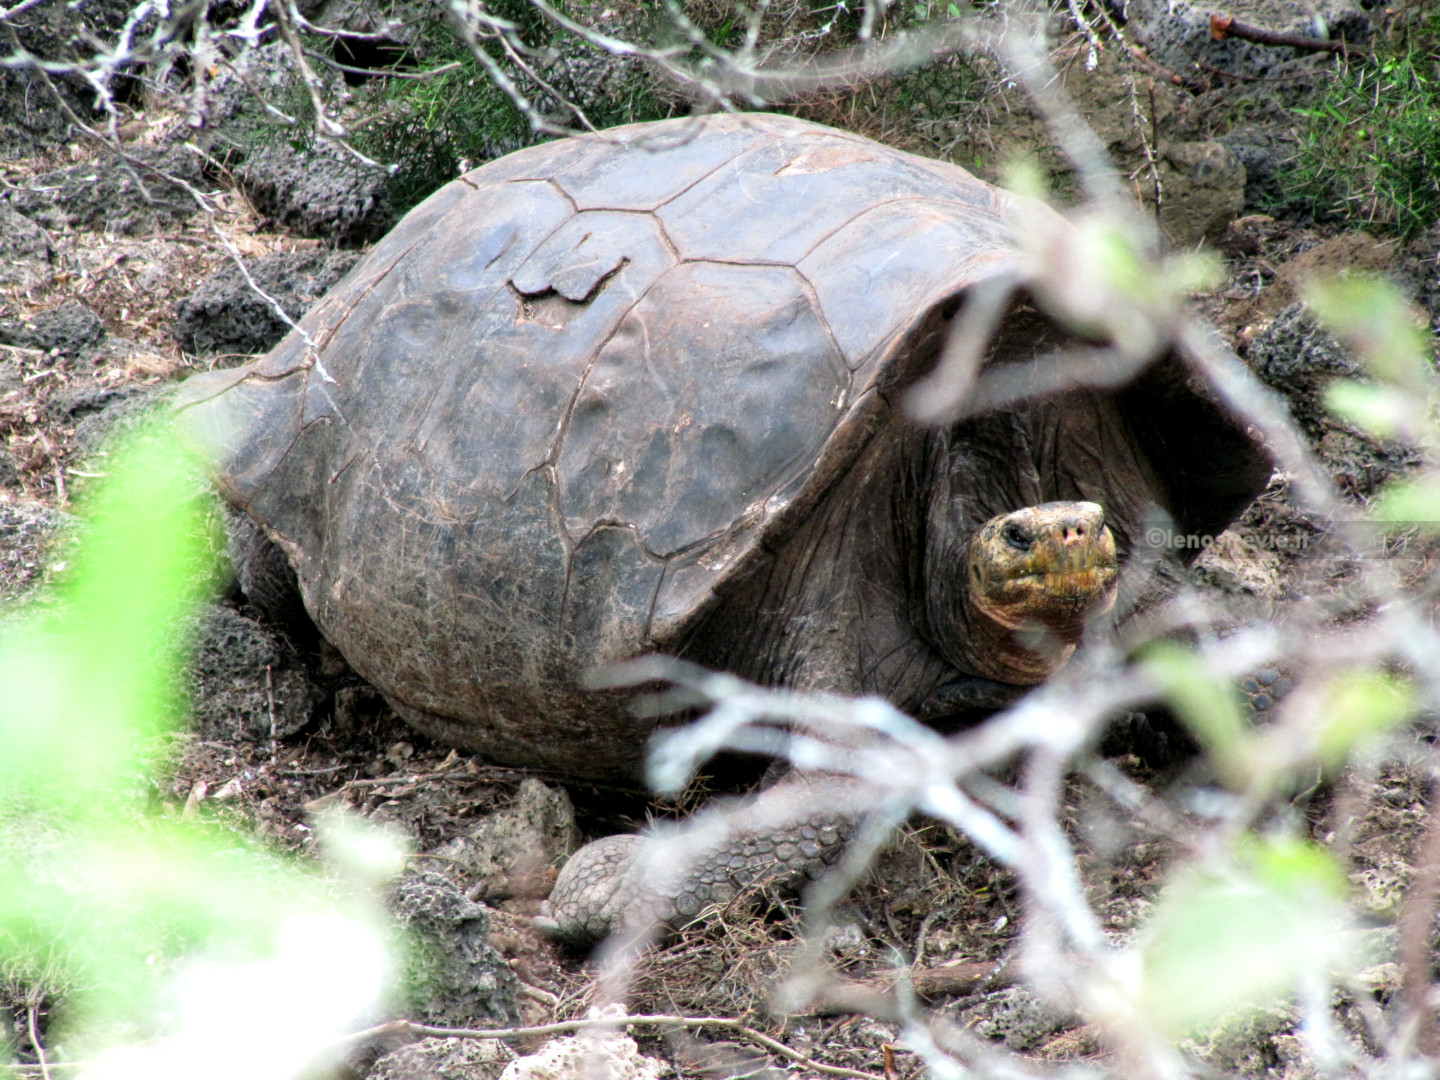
x=1209 y=707
x=1412 y=502
x=1294 y=868
x=1359 y=705
x=1243 y=934
x=126 y=912
x=86 y=686
x=1382 y=411
x=1024 y=176
x=1371 y=317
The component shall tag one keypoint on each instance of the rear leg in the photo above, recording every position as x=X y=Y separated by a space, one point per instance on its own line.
x=268 y=582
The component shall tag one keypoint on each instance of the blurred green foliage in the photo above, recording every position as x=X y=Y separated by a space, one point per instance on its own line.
x=1253 y=919
x=89 y=685
x=104 y=899
x=1241 y=930
x=1208 y=706
x=1346 y=709
x=1389 y=337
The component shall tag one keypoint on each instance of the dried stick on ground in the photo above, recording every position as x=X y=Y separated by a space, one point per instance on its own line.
x=1227 y=26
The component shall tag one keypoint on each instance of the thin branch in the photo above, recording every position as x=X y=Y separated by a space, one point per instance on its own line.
x=418 y=76
x=386 y=34
x=1247 y=397
x=35 y=1042
x=285 y=16
x=25 y=5
x=1227 y=26
x=258 y=95
x=60 y=495
x=1159 y=71
x=464 y=17
x=1028 y=64
x=508 y=43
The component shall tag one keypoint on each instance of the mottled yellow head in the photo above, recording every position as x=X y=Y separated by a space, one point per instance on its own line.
x=1042 y=571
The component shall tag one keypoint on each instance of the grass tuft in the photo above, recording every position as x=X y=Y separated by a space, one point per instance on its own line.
x=1370 y=147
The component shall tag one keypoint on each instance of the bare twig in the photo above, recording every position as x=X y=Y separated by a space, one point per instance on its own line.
x=467 y=17
x=285 y=16
x=1159 y=71
x=35 y=1042
x=24 y=5
x=1245 y=394
x=384 y=73
x=1227 y=26
x=1019 y=45
x=507 y=42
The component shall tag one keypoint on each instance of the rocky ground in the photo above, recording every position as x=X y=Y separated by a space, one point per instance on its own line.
x=116 y=282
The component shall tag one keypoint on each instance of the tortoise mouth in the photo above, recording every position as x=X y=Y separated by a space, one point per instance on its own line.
x=1069 y=584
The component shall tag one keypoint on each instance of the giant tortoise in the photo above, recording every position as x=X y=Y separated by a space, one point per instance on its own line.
x=642 y=392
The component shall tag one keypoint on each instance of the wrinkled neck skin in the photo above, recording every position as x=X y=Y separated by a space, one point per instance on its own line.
x=1020 y=655
x=870 y=595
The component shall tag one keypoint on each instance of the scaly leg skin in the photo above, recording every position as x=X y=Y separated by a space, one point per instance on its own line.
x=781 y=838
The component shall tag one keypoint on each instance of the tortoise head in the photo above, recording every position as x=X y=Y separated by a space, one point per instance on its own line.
x=1035 y=576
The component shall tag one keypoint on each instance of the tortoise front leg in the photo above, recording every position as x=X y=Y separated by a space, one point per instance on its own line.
x=781 y=837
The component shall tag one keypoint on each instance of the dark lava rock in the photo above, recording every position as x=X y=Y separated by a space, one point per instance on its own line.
x=29 y=533
x=1299 y=359
x=453 y=975
x=1296 y=357
x=1263 y=150
x=247 y=682
x=31 y=117
x=445 y=1059
x=225 y=315
x=68 y=330
x=25 y=249
x=1176 y=33
x=85 y=400
x=233 y=115
x=319 y=191
x=510 y=852
x=31 y=120
x=1015 y=1017
x=114 y=195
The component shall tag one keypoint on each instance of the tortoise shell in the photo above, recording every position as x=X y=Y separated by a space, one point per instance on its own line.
x=575 y=392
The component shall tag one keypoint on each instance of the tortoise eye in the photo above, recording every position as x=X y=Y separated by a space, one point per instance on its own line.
x=1016 y=537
